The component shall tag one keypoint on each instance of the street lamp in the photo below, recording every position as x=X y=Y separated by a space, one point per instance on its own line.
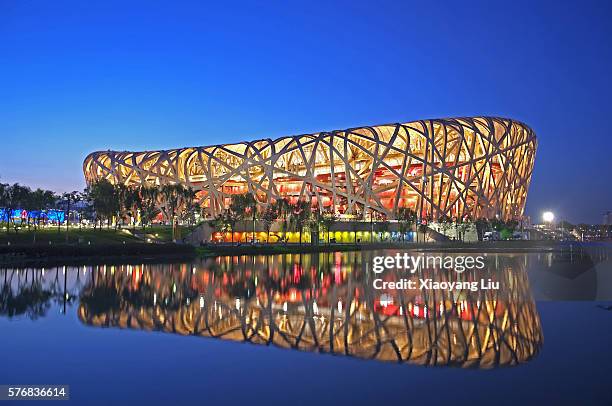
x=548 y=216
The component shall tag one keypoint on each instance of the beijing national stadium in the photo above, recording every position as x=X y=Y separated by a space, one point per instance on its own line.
x=459 y=167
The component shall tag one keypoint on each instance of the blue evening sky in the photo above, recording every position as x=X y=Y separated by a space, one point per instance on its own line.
x=79 y=76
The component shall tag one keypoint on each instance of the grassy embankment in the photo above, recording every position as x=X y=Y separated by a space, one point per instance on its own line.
x=48 y=245
x=75 y=235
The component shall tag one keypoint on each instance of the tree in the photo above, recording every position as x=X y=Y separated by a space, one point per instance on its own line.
x=70 y=199
x=250 y=204
x=130 y=201
x=406 y=218
x=422 y=228
x=15 y=197
x=122 y=193
x=148 y=204
x=314 y=224
x=283 y=207
x=3 y=201
x=191 y=208
x=176 y=198
x=40 y=200
x=219 y=223
x=269 y=216
x=86 y=210
x=497 y=224
x=383 y=227
x=103 y=196
x=461 y=226
x=29 y=206
x=234 y=213
x=482 y=225
x=354 y=226
x=512 y=224
x=327 y=221
x=230 y=218
x=445 y=223
x=504 y=228
x=241 y=206
x=170 y=197
x=189 y=200
x=300 y=212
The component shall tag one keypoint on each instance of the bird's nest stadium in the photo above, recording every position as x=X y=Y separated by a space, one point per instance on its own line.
x=458 y=167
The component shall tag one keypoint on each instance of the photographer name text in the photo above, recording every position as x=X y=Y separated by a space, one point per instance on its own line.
x=430 y=284
x=403 y=262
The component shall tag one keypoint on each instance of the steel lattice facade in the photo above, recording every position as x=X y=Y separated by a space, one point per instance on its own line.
x=476 y=167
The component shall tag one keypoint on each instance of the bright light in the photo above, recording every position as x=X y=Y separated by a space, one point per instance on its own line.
x=548 y=216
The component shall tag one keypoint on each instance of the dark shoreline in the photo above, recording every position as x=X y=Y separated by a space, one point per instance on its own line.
x=493 y=246
x=70 y=254
x=82 y=254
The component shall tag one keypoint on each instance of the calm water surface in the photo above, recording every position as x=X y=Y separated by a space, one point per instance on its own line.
x=310 y=329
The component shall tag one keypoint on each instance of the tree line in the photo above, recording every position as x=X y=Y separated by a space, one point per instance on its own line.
x=294 y=216
x=110 y=204
x=125 y=204
x=300 y=215
x=105 y=203
x=34 y=202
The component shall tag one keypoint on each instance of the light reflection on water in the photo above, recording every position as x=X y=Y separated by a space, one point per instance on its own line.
x=318 y=303
x=91 y=327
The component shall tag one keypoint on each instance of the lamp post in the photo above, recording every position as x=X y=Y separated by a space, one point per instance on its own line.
x=548 y=217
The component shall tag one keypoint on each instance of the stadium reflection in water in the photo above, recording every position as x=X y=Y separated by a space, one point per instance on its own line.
x=322 y=303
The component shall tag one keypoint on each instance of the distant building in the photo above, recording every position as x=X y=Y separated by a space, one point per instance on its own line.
x=607 y=218
x=594 y=232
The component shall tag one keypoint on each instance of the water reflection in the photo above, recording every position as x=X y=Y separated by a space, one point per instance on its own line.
x=579 y=273
x=322 y=303
x=32 y=292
